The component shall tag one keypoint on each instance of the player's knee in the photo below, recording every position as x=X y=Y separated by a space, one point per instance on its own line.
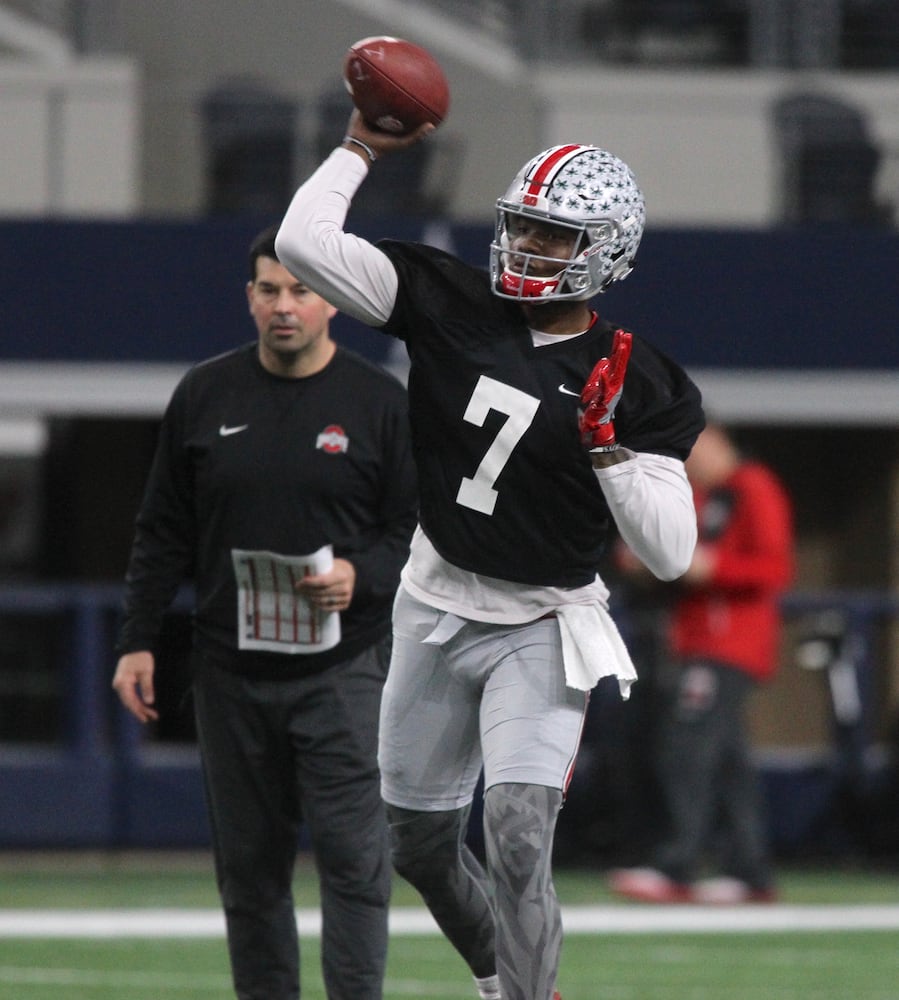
x=519 y=821
x=424 y=845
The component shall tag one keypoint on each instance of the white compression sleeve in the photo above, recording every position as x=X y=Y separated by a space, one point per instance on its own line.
x=652 y=503
x=348 y=271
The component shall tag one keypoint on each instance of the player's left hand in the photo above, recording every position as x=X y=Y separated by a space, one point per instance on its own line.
x=601 y=394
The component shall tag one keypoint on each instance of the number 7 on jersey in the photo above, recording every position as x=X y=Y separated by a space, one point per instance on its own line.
x=477 y=492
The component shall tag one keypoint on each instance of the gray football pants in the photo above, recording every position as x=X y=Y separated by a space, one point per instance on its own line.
x=459 y=695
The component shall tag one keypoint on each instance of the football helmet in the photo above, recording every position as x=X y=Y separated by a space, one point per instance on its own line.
x=581 y=188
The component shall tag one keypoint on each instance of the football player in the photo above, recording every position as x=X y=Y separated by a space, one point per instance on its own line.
x=539 y=428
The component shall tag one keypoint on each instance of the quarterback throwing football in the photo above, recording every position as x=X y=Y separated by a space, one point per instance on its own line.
x=536 y=424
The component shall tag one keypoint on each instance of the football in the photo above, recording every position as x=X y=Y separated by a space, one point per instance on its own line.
x=395 y=84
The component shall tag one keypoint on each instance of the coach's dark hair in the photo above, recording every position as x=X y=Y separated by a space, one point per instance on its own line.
x=263 y=245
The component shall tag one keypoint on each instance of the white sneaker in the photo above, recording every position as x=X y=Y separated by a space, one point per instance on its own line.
x=726 y=891
x=648 y=885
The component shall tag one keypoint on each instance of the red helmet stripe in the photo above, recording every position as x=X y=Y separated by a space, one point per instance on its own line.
x=549 y=164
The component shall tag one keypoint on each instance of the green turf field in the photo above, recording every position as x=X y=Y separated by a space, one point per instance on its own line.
x=781 y=964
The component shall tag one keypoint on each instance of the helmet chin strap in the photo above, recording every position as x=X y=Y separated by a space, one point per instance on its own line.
x=525 y=285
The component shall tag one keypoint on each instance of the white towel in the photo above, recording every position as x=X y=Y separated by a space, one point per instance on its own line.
x=592 y=648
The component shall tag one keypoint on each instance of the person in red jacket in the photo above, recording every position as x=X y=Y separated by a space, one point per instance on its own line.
x=724 y=635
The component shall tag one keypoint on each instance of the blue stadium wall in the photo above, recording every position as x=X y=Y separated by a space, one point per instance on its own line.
x=174 y=291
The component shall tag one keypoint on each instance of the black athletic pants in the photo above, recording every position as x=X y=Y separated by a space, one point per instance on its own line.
x=275 y=752
x=710 y=783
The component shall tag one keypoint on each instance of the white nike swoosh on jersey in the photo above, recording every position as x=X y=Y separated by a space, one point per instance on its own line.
x=225 y=430
x=567 y=392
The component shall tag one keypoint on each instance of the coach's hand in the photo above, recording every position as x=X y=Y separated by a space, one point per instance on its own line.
x=331 y=591
x=133 y=683
x=600 y=397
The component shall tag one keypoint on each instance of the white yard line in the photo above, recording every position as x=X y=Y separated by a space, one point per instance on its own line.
x=412 y=921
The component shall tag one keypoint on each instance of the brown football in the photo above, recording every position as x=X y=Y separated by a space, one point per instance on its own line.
x=395 y=84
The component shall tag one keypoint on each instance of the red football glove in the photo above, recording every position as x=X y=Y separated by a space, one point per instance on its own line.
x=601 y=394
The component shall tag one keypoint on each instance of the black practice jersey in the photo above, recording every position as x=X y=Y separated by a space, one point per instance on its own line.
x=248 y=460
x=507 y=490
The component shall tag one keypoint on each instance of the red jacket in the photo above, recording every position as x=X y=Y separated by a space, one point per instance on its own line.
x=747 y=524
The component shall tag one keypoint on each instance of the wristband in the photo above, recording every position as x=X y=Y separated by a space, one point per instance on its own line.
x=369 y=152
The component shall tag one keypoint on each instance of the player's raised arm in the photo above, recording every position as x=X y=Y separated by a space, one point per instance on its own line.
x=344 y=269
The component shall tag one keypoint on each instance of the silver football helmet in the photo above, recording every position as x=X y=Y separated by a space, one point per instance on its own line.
x=582 y=188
